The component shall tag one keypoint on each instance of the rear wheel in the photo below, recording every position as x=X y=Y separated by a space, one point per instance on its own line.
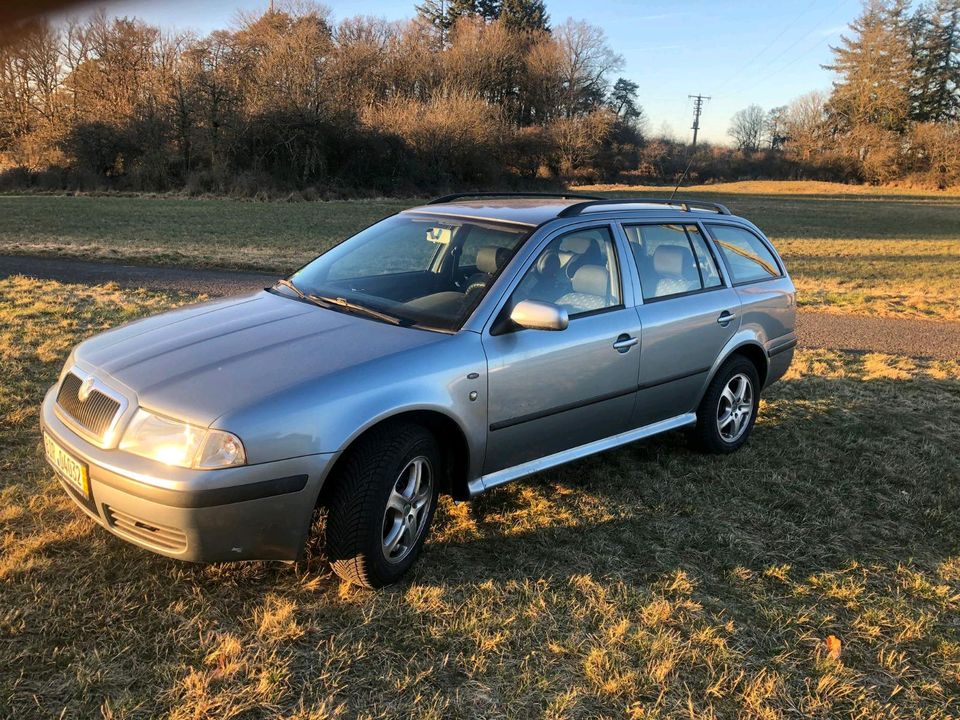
x=729 y=408
x=382 y=504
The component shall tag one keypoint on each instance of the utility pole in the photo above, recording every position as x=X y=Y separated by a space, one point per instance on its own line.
x=697 y=108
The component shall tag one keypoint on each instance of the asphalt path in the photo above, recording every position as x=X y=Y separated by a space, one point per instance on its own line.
x=859 y=333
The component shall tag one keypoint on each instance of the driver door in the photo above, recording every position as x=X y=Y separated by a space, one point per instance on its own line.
x=551 y=391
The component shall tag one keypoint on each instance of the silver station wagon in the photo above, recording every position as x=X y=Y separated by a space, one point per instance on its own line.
x=449 y=348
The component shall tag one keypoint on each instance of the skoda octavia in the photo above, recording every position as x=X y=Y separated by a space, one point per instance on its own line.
x=449 y=348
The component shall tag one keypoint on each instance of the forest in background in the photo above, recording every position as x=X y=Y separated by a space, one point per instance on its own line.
x=467 y=94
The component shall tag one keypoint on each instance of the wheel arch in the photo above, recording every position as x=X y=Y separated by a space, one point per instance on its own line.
x=450 y=437
x=755 y=353
x=752 y=350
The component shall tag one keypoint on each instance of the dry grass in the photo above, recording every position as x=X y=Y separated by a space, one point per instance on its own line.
x=850 y=249
x=781 y=187
x=650 y=582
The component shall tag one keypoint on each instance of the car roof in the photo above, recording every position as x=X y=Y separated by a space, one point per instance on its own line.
x=536 y=211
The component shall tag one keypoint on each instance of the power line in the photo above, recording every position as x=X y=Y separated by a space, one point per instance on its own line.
x=766 y=47
x=739 y=87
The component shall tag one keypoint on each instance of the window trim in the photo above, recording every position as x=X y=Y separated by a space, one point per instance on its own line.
x=495 y=325
x=684 y=224
x=710 y=251
x=763 y=241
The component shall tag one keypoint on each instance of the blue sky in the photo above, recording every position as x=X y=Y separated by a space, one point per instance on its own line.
x=737 y=52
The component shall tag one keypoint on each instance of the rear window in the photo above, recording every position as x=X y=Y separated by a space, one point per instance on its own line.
x=747 y=257
x=672 y=260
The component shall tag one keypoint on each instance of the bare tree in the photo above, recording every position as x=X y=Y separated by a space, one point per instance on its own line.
x=747 y=126
x=776 y=126
x=586 y=63
x=805 y=126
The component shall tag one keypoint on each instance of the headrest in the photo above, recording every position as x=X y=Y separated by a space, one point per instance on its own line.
x=577 y=244
x=671 y=259
x=491 y=258
x=591 y=280
x=548 y=264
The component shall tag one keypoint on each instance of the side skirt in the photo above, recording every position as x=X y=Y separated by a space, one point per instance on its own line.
x=564 y=456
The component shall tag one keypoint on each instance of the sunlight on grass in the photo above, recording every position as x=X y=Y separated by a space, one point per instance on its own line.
x=849 y=249
x=647 y=582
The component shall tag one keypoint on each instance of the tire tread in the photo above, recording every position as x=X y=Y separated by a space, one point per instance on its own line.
x=353 y=500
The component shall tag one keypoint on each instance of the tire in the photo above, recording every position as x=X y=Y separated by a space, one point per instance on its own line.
x=377 y=499
x=717 y=431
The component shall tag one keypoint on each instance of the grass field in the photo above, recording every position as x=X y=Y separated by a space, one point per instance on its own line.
x=650 y=582
x=849 y=249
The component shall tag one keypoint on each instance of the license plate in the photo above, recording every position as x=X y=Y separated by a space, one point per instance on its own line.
x=69 y=468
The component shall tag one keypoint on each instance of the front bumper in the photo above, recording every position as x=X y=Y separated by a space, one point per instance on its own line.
x=253 y=512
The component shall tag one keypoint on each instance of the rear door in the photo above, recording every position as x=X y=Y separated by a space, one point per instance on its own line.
x=688 y=314
x=766 y=293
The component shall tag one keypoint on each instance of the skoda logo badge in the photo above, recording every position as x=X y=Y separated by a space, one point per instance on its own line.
x=86 y=387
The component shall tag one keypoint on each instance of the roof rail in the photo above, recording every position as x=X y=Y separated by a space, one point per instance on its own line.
x=562 y=196
x=685 y=205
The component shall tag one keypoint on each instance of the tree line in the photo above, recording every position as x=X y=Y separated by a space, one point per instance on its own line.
x=894 y=110
x=467 y=94
x=470 y=93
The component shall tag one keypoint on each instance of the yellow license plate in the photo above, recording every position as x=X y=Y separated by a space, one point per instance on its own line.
x=69 y=468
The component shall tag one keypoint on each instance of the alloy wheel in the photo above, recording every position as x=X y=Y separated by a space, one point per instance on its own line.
x=408 y=508
x=735 y=408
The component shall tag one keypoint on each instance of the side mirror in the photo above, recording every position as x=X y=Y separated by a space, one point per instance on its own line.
x=535 y=315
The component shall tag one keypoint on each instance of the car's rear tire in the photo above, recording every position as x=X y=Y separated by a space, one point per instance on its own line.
x=384 y=496
x=729 y=408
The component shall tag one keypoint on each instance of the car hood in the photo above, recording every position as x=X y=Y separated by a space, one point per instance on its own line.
x=206 y=360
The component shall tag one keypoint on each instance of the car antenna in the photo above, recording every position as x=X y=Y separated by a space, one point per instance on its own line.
x=697 y=109
x=682 y=175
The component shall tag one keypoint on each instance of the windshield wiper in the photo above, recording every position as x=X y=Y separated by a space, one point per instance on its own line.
x=346 y=304
x=328 y=302
x=287 y=284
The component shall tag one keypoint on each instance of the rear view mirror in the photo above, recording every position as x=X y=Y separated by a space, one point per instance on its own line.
x=439 y=235
x=535 y=315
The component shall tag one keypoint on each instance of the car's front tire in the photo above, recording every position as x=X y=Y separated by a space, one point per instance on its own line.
x=384 y=496
x=728 y=411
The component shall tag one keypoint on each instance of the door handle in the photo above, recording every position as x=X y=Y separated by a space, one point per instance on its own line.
x=624 y=343
x=725 y=317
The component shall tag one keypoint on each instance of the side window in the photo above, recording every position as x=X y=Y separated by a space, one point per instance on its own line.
x=747 y=257
x=708 y=266
x=672 y=260
x=577 y=271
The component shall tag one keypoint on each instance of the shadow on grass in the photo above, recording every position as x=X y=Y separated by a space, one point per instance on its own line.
x=652 y=575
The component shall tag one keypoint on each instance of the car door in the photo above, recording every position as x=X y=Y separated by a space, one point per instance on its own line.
x=688 y=313
x=551 y=391
x=766 y=293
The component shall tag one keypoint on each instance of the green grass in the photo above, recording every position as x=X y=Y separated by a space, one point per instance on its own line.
x=649 y=582
x=168 y=231
x=849 y=249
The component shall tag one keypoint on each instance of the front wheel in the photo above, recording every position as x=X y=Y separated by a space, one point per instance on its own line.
x=729 y=408
x=384 y=497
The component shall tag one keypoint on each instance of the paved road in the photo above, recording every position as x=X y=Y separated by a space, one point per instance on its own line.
x=918 y=338
x=897 y=336
x=212 y=282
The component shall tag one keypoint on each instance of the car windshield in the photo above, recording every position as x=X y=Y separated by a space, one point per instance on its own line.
x=420 y=270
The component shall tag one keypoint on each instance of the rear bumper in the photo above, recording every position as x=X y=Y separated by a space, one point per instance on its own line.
x=255 y=512
x=779 y=357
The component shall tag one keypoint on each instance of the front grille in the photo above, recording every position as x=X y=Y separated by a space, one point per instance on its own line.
x=159 y=536
x=93 y=414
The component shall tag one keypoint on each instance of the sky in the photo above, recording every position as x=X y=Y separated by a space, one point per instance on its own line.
x=738 y=53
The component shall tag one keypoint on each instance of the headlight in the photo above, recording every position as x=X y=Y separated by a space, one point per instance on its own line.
x=178 y=443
